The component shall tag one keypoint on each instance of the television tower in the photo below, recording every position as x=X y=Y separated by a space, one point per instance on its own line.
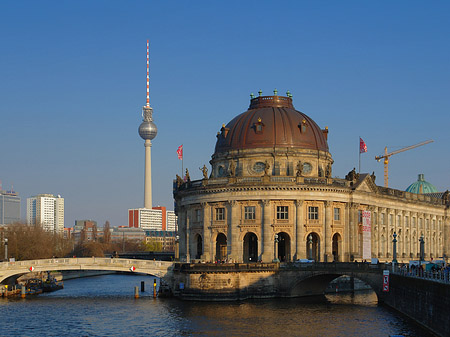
x=147 y=131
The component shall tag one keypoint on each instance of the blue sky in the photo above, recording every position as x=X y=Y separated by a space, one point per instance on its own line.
x=72 y=85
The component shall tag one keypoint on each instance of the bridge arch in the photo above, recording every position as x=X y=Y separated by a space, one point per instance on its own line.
x=10 y=271
x=315 y=281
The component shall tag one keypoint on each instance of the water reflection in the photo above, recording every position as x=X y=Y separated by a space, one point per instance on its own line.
x=104 y=306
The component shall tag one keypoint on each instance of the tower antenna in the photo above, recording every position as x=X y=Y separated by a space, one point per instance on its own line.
x=148 y=93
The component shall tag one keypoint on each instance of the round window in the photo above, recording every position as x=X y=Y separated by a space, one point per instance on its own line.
x=307 y=168
x=259 y=167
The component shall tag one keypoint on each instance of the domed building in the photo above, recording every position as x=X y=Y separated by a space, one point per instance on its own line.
x=271 y=197
x=421 y=186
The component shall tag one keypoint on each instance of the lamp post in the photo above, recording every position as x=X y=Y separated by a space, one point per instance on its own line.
x=6 y=249
x=394 y=260
x=310 y=247
x=177 y=249
x=275 y=259
x=422 y=249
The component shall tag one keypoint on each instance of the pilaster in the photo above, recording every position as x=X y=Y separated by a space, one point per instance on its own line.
x=207 y=253
x=300 y=245
x=267 y=230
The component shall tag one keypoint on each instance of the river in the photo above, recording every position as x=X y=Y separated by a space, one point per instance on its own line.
x=105 y=306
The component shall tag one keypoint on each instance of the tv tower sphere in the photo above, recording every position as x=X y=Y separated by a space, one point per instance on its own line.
x=147 y=129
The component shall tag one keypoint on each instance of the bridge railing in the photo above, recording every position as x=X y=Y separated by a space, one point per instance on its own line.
x=84 y=261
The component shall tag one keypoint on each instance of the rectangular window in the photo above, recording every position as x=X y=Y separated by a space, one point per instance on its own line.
x=399 y=220
x=313 y=213
x=337 y=214
x=407 y=221
x=414 y=222
x=374 y=218
x=249 y=212
x=391 y=220
x=359 y=216
x=220 y=214
x=282 y=212
x=383 y=219
x=198 y=214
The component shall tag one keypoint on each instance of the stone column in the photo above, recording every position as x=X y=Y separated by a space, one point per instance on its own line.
x=346 y=244
x=446 y=235
x=182 y=233
x=233 y=232
x=206 y=233
x=267 y=231
x=300 y=245
x=327 y=232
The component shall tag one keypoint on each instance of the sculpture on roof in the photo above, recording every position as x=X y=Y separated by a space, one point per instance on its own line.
x=299 y=169
x=204 y=170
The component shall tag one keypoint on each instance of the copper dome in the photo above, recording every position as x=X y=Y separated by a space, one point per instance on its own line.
x=271 y=121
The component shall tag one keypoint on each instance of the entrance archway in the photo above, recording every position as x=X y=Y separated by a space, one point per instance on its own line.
x=199 y=247
x=250 y=248
x=336 y=248
x=221 y=247
x=284 y=247
x=313 y=247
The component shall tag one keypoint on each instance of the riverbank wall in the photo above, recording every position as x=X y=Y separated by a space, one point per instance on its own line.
x=425 y=301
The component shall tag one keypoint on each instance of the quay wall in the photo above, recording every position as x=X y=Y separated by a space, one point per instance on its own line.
x=425 y=301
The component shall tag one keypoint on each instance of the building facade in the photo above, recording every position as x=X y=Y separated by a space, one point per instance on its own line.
x=157 y=219
x=9 y=207
x=271 y=196
x=46 y=210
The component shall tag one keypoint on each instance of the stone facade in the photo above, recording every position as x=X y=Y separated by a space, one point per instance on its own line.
x=272 y=198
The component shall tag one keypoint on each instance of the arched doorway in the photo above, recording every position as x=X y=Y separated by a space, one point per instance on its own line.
x=313 y=247
x=199 y=247
x=284 y=247
x=250 y=247
x=336 y=248
x=221 y=247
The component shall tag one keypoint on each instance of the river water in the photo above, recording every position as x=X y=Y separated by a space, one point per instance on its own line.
x=105 y=306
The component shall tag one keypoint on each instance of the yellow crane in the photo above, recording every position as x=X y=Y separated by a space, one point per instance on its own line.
x=387 y=155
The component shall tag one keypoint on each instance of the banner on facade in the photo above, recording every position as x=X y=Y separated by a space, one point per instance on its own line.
x=366 y=232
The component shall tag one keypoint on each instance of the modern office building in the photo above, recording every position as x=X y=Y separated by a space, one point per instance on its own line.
x=9 y=207
x=46 y=210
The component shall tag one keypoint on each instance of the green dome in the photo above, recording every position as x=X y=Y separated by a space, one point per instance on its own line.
x=421 y=186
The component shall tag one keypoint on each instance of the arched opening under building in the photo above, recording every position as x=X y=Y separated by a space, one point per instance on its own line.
x=313 y=247
x=336 y=247
x=250 y=248
x=221 y=247
x=284 y=247
x=199 y=253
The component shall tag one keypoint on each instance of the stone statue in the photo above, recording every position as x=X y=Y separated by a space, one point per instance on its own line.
x=352 y=175
x=204 y=170
x=266 y=168
x=232 y=169
x=187 y=177
x=328 y=171
x=446 y=197
x=179 y=181
x=373 y=176
x=299 y=169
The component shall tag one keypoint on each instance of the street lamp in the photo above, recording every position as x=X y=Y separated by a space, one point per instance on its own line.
x=276 y=249
x=177 y=248
x=310 y=247
x=6 y=249
x=422 y=249
x=394 y=260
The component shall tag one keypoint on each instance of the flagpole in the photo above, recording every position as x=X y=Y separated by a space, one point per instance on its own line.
x=359 y=161
x=182 y=157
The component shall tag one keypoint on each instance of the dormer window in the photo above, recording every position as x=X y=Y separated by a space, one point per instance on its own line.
x=259 y=126
x=302 y=126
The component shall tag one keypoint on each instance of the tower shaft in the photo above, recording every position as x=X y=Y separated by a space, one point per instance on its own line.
x=148 y=175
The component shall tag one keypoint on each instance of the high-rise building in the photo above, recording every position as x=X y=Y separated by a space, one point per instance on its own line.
x=46 y=210
x=9 y=207
x=157 y=218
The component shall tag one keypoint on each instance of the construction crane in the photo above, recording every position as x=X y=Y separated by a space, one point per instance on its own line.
x=387 y=155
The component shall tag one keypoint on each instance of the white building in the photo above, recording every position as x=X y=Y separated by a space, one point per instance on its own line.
x=46 y=210
x=157 y=218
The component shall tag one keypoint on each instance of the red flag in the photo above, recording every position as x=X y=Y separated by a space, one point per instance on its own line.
x=362 y=146
x=180 y=152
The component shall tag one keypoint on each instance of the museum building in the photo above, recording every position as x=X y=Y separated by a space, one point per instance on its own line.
x=271 y=197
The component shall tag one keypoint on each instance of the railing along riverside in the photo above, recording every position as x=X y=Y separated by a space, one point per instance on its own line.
x=441 y=276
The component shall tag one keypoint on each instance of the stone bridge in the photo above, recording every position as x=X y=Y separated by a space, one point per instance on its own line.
x=266 y=280
x=10 y=271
